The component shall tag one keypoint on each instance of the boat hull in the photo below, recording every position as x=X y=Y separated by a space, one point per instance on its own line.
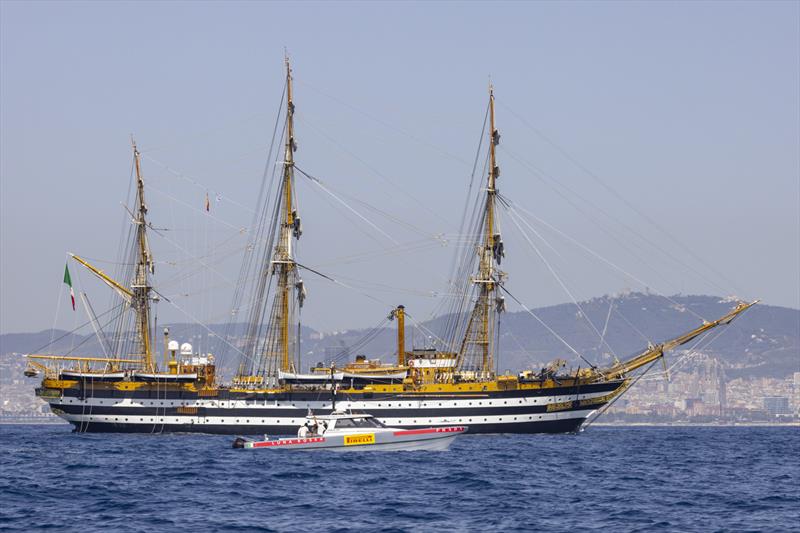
x=106 y=409
x=431 y=439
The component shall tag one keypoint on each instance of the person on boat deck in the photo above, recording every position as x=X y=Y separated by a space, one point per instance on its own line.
x=304 y=430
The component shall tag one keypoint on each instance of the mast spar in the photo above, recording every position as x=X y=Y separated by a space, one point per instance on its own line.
x=140 y=300
x=480 y=330
x=270 y=344
x=290 y=227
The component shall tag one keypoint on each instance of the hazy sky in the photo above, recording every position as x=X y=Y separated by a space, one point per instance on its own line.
x=663 y=136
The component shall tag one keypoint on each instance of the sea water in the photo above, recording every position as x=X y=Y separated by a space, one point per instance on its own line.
x=604 y=479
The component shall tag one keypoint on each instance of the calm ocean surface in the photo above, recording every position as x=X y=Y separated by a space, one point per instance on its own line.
x=623 y=479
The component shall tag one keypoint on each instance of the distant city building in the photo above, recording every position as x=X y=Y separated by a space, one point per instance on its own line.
x=776 y=405
x=796 y=390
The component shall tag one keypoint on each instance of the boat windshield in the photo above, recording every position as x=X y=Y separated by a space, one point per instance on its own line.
x=359 y=423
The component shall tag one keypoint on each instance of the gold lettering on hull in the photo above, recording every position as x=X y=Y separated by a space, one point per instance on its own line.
x=560 y=406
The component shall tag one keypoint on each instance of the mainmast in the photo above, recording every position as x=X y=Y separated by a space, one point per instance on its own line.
x=477 y=350
x=140 y=299
x=488 y=286
x=284 y=262
x=269 y=343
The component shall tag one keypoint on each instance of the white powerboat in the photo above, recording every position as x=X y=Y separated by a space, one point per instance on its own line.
x=340 y=431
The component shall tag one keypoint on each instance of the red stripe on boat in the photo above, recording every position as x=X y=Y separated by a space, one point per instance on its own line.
x=286 y=442
x=456 y=429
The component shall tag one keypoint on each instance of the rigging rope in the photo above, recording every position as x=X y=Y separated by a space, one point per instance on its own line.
x=555 y=275
x=548 y=328
x=553 y=184
x=319 y=183
x=75 y=329
x=628 y=203
x=597 y=255
x=387 y=125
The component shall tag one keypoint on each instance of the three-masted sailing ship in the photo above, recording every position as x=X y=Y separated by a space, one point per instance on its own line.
x=132 y=392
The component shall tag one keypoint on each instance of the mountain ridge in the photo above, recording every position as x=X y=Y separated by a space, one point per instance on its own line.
x=765 y=341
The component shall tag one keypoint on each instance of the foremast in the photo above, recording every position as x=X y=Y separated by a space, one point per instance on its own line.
x=475 y=357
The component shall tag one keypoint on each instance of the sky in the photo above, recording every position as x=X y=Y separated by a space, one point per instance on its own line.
x=659 y=139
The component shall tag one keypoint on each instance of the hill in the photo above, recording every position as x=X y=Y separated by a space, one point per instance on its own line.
x=765 y=342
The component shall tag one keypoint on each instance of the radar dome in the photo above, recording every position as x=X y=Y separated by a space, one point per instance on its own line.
x=173 y=346
x=186 y=349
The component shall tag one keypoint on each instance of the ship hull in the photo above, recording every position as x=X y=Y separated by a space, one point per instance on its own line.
x=572 y=425
x=548 y=410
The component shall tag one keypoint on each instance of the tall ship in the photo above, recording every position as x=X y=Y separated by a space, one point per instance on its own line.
x=136 y=388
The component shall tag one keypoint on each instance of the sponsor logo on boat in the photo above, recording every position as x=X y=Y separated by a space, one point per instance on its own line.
x=358 y=440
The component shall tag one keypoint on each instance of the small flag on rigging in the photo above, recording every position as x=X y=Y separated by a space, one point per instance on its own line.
x=68 y=281
x=208 y=203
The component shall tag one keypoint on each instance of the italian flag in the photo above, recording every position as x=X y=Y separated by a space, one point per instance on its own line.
x=68 y=281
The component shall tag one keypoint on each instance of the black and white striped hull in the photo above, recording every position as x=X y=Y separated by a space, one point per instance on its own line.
x=556 y=410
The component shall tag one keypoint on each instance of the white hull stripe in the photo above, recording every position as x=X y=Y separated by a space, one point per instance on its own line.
x=296 y=422
x=326 y=403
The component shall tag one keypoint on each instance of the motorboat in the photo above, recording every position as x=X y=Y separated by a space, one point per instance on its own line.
x=340 y=431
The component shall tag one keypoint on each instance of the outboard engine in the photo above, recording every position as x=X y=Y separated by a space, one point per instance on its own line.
x=239 y=442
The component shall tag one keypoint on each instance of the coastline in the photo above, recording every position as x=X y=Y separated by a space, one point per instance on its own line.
x=58 y=421
x=697 y=424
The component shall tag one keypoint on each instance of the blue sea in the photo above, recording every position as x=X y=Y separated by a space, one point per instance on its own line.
x=604 y=479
